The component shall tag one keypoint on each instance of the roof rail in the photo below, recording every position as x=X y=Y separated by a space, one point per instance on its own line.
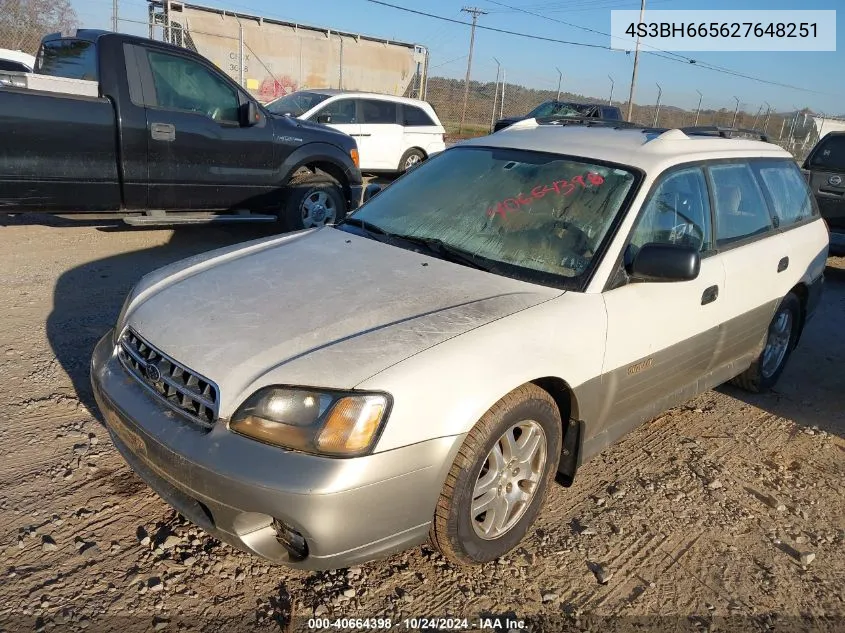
x=714 y=130
x=583 y=120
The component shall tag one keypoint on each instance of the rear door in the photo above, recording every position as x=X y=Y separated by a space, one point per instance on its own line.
x=827 y=179
x=755 y=255
x=200 y=157
x=419 y=130
x=380 y=140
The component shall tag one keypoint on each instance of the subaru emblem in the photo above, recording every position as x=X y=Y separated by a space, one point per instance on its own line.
x=152 y=372
x=835 y=181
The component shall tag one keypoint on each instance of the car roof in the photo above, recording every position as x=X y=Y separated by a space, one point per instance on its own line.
x=333 y=92
x=643 y=148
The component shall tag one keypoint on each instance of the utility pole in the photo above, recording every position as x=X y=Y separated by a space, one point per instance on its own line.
x=698 y=110
x=636 y=63
x=114 y=16
x=610 y=99
x=559 y=79
x=474 y=12
x=657 y=107
x=736 y=111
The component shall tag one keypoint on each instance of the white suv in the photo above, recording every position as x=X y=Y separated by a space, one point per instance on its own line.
x=500 y=314
x=393 y=133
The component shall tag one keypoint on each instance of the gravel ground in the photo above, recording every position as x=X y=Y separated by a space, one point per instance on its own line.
x=723 y=514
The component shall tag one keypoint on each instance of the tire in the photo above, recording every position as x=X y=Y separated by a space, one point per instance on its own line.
x=311 y=201
x=410 y=159
x=454 y=531
x=781 y=338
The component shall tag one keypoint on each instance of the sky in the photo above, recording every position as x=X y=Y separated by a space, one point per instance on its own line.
x=533 y=63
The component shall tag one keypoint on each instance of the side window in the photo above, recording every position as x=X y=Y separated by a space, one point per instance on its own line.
x=677 y=212
x=413 y=116
x=788 y=191
x=741 y=211
x=830 y=154
x=377 y=111
x=183 y=84
x=342 y=111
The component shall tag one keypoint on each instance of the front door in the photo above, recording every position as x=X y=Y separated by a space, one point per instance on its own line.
x=661 y=336
x=200 y=157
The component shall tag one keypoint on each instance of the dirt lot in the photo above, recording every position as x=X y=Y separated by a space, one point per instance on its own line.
x=724 y=514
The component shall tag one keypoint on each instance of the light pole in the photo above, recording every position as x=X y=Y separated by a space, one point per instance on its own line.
x=559 y=79
x=610 y=100
x=657 y=107
x=636 y=63
x=736 y=111
x=698 y=110
x=495 y=93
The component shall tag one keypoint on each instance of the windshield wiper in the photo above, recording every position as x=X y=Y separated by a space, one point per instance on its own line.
x=447 y=251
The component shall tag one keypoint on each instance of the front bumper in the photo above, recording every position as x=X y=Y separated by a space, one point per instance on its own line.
x=348 y=510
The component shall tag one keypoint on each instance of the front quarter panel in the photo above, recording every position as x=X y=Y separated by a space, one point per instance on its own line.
x=444 y=390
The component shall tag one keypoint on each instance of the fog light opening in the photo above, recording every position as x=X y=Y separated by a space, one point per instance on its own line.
x=291 y=540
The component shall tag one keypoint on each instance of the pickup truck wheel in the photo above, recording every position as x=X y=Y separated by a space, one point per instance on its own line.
x=312 y=201
x=499 y=478
x=780 y=341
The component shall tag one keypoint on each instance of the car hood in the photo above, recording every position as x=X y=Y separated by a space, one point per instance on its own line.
x=321 y=308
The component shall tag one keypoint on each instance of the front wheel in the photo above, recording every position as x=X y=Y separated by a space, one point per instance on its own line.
x=780 y=341
x=499 y=478
x=312 y=201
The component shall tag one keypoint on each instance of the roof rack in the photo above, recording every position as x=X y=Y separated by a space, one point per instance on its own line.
x=713 y=130
x=583 y=120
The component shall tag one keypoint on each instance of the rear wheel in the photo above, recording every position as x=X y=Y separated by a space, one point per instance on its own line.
x=780 y=341
x=411 y=159
x=499 y=479
x=312 y=201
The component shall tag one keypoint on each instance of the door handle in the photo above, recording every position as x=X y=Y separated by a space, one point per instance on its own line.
x=783 y=264
x=710 y=294
x=163 y=132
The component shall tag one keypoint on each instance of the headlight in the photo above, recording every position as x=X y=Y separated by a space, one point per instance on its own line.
x=327 y=423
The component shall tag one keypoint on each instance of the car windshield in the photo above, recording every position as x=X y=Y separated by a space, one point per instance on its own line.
x=296 y=103
x=530 y=215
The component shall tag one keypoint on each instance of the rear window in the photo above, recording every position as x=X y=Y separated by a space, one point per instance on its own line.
x=74 y=59
x=414 y=116
x=377 y=111
x=830 y=154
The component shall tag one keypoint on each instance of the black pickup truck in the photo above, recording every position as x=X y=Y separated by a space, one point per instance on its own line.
x=169 y=139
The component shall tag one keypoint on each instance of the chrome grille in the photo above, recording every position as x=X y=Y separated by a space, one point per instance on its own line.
x=181 y=388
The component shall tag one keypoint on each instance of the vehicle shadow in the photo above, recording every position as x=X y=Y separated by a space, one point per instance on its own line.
x=88 y=298
x=811 y=390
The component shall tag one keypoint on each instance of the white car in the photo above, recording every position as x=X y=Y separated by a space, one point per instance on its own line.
x=500 y=314
x=393 y=134
x=16 y=61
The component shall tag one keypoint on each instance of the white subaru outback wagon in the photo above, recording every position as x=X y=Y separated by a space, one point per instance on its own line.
x=495 y=317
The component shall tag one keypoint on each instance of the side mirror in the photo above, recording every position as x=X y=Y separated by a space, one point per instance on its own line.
x=665 y=262
x=250 y=114
x=371 y=190
x=324 y=118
